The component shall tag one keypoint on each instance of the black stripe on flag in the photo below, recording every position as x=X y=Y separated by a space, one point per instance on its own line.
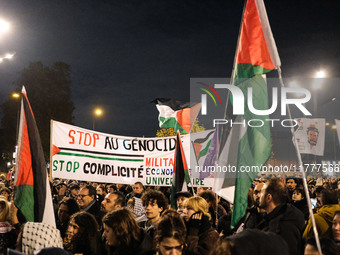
x=174 y=104
x=38 y=162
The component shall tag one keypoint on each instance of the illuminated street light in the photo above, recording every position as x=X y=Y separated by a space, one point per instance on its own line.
x=320 y=74
x=96 y=113
x=317 y=82
x=15 y=95
x=333 y=126
x=7 y=56
x=4 y=26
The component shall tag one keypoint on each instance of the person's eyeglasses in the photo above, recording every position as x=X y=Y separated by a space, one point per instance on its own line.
x=82 y=196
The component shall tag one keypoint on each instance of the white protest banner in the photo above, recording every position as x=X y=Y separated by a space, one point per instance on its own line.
x=83 y=154
x=311 y=136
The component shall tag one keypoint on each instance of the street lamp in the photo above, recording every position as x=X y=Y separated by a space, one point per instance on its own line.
x=96 y=113
x=320 y=74
x=15 y=95
x=7 y=56
x=4 y=26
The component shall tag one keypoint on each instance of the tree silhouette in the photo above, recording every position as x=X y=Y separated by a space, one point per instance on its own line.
x=49 y=92
x=165 y=132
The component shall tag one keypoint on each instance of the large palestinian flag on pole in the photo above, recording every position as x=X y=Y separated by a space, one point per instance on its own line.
x=32 y=190
x=176 y=114
x=181 y=178
x=256 y=55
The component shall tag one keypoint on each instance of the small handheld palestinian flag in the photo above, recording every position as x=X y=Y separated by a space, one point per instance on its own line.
x=180 y=177
x=176 y=114
x=32 y=190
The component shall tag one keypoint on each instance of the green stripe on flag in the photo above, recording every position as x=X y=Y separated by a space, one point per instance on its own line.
x=205 y=150
x=171 y=123
x=254 y=146
x=187 y=177
x=167 y=122
x=248 y=70
x=24 y=201
x=97 y=157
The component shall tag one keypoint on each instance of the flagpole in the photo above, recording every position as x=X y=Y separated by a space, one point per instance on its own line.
x=51 y=150
x=192 y=186
x=193 y=191
x=304 y=181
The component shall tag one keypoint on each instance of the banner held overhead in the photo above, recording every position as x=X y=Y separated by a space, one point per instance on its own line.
x=83 y=154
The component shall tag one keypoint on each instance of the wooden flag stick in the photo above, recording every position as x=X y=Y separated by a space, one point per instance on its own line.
x=302 y=170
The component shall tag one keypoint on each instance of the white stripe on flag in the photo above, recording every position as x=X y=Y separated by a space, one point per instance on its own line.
x=48 y=216
x=268 y=35
x=165 y=111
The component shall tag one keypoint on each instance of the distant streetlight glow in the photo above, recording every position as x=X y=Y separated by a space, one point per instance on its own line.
x=98 y=112
x=15 y=95
x=317 y=82
x=4 y=26
x=7 y=56
x=333 y=126
x=320 y=74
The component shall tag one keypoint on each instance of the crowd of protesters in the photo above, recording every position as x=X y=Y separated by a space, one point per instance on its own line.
x=93 y=218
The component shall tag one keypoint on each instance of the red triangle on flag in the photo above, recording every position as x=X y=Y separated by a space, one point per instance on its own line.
x=187 y=116
x=55 y=150
x=252 y=47
x=197 y=148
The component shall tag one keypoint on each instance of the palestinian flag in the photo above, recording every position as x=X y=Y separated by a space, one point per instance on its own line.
x=180 y=178
x=32 y=190
x=256 y=51
x=201 y=145
x=176 y=114
x=251 y=146
x=210 y=159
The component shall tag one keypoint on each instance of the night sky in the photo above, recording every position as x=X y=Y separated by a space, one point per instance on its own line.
x=123 y=54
